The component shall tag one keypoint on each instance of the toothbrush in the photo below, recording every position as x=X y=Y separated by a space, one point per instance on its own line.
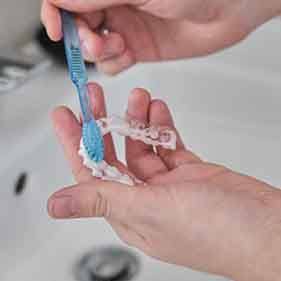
x=91 y=134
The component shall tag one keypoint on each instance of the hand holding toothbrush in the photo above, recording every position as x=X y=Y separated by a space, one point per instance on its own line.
x=157 y=30
x=190 y=213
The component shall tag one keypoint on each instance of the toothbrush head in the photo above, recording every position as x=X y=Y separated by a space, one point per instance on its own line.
x=93 y=141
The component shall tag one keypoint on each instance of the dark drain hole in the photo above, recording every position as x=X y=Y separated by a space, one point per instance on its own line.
x=107 y=264
x=20 y=184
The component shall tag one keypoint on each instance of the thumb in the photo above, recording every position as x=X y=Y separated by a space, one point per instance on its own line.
x=89 y=6
x=94 y=199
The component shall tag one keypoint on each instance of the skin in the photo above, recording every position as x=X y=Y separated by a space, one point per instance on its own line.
x=223 y=222
x=156 y=30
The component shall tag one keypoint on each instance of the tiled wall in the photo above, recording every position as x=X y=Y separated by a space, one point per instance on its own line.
x=18 y=19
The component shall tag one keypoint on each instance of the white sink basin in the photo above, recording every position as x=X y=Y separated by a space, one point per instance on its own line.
x=227 y=108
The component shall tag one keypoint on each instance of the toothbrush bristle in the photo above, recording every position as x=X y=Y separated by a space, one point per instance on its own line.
x=93 y=141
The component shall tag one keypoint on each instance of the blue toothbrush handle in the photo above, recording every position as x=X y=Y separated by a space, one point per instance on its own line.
x=76 y=63
x=69 y=29
x=84 y=102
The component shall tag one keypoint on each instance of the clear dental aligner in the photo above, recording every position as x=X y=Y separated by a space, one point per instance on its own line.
x=155 y=136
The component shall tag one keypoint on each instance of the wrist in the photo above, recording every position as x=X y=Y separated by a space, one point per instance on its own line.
x=263 y=259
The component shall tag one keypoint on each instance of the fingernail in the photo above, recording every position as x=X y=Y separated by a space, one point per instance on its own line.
x=62 y=207
x=86 y=50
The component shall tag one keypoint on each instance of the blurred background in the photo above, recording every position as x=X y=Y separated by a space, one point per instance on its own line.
x=18 y=20
x=227 y=107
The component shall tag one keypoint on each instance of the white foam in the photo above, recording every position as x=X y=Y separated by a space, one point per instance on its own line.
x=103 y=170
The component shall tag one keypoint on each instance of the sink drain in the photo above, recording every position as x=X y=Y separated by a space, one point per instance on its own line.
x=107 y=264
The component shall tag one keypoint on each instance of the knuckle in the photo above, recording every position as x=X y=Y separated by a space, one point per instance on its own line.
x=102 y=207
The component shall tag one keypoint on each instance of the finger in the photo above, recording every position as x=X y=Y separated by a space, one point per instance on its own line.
x=68 y=131
x=91 y=42
x=50 y=17
x=86 y=5
x=141 y=159
x=94 y=199
x=99 y=109
x=117 y=64
x=161 y=116
x=98 y=48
